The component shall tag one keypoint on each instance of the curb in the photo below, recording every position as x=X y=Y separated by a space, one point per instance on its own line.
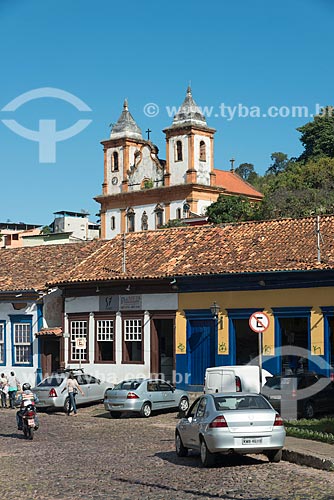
x=299 y=458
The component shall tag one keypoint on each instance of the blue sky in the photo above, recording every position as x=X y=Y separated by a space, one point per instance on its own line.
x=241 y=54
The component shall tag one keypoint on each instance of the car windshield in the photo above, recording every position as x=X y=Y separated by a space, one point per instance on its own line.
x=274 y=382
x=53 y=381
x=128 y=385
x=241 y=403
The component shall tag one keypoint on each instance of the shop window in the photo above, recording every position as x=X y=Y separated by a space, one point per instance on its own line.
x=105 y=340
x=78 y=330
x=132 y=341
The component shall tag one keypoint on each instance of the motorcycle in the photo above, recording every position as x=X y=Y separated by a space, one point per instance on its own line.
x=29 y=421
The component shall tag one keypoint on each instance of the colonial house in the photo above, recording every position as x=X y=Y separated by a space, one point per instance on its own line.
x=176 y=301
x=141 y=191
x=31 y=314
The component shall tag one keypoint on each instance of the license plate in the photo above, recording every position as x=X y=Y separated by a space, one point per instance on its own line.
x=31 y=422
x=252 y=441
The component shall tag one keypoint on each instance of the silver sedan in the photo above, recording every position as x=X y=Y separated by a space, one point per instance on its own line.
x=230 y=423
x=144 y=396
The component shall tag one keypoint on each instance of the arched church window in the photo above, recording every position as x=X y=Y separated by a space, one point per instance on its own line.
x=130 y=214
x=159 y=216
x=202 y=151
x=115 y=161
x=112 y=223
x=179 y=152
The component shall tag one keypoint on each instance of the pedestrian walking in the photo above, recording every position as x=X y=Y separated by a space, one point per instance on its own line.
x=3 y=390
x=73 y=388
x=13 y=387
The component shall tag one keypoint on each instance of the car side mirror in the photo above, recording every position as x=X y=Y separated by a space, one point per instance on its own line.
x=190 y=419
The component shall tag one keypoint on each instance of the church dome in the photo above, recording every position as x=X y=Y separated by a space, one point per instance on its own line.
x=126 y=126
x=189 y=113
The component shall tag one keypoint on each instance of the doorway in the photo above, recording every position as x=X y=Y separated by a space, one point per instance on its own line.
x=294 y=332
x=246 y=342
x=162 y=348
x=50 y=354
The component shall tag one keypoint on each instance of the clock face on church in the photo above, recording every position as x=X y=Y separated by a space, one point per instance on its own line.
x=114 y=180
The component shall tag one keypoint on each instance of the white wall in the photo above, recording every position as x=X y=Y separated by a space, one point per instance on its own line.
x=178 y=169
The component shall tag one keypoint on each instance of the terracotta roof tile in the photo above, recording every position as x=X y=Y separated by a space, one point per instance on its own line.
x=234 y=184
x=278 y=245
x=30 y=268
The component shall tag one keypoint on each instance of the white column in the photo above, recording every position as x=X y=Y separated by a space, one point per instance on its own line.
x=118 y=338
x=147 y=340
x=91 y=345
x=66 y=339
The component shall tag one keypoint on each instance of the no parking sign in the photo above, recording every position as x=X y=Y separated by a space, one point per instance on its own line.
x=259 y=322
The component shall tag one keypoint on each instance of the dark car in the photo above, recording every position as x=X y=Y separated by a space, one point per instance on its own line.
x=307 y=393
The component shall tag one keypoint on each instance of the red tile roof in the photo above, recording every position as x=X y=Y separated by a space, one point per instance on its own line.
x=57 y=331
x=278 y=245
x=235 y=185
x=31 y=268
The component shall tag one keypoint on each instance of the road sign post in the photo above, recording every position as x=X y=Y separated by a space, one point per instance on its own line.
x=80 y=345
x=259 y=322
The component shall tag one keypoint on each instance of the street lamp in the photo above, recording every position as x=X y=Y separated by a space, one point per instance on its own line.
x=215 y=308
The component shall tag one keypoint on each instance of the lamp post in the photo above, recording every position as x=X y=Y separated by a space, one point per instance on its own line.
x=215 y=308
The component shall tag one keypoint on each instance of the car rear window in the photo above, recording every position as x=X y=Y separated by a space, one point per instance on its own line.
x=241 y=402
x=127 y=385
x=52 y=381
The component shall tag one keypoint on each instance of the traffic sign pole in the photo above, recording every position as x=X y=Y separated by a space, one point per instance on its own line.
x=259 y=322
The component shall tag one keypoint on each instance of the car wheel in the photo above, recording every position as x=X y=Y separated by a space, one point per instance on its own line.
x=274 y=456
x=181 y=450
x=309 y=410
x=208 y=459
x=115 y=414
x=183 y=405
x=146 y=410
x=66 y=405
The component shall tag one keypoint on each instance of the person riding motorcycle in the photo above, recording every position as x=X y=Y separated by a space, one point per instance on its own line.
x=27 y=397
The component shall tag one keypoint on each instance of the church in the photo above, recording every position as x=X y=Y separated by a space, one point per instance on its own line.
x=141 y=191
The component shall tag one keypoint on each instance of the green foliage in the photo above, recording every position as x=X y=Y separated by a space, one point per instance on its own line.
x=318 y=136
x=45 y=230
x=232 y=209
x=173 y=223
x=321 y=429
x=148 y=184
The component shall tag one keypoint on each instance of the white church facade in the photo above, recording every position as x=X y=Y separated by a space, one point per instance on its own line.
x=141 y=191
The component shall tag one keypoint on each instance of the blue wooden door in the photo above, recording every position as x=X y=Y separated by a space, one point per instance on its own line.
x=201 y=344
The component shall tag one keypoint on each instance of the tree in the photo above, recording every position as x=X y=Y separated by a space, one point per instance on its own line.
x=280 y=162
x=318 y=135
x=232 y=209
x=45 y=230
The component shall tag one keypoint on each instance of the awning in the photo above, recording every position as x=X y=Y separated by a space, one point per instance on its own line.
x=57 y=331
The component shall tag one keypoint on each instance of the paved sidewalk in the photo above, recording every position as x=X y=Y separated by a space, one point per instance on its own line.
x=311 y=453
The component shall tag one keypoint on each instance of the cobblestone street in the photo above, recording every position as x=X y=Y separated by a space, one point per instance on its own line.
x=95 y=457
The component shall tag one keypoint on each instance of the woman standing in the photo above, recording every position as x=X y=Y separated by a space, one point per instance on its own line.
x=73 y=387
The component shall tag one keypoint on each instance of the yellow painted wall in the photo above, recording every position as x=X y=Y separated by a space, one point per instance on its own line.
x=261 y=299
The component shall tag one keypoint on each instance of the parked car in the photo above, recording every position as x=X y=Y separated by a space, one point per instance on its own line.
x=312 y=393
x=239 y=378
x=230 y=423
x=144 y=396
x=50 y=395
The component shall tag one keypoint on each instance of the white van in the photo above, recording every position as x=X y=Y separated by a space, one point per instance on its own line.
x=243 y=378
